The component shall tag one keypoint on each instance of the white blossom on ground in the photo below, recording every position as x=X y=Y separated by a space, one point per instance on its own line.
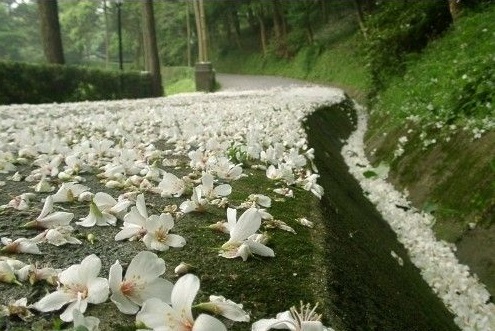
x=209 y=191
x=141 y=282
x=33 y=274
x=49 y=219
x=87 y=323
x=304 y=319
x=157 y=235
x=197 y=203
x=20 y=202
x=242 y=242
x=69 y=192
x=461 y=292
x=158 y=315
x=219 y=305
x=171 y=186
x=57 y=236
x=7 y=274
x=134 y=226
x=17 y=308
x=19 y=245
x=79 y=285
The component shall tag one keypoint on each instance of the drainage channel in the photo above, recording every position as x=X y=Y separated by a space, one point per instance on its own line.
x=372 y=283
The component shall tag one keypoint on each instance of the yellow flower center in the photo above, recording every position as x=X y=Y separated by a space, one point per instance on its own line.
x=161 y=235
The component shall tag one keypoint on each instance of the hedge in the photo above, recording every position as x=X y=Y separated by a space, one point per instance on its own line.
x=35 y=83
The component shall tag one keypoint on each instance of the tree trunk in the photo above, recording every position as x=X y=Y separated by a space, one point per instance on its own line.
x=188 y=29
x=107 y=34
x=50 y=31
x=264 y=44
x=237 y=27
x=152 y=60
x=199 y=13
x=204 y=30
x=280 y=28
x=360 y=16
x=455 y=8
x=197 y=17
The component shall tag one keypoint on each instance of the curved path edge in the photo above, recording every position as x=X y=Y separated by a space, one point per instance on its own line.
x=372 y=283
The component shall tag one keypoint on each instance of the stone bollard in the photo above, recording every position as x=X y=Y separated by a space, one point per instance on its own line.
x=205 y=77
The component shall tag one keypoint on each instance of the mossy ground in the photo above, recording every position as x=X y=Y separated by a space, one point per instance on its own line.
x=265 y=286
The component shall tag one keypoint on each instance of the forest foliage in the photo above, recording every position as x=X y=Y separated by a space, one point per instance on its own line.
x=388 y=33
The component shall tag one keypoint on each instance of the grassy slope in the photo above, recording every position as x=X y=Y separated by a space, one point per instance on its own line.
x=455 y=176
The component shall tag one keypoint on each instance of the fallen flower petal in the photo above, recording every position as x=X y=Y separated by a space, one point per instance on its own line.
x=227 y=308
x=20 y=245
x=141 y=282
x=79 y=285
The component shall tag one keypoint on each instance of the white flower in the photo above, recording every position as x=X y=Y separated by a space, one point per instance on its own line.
x=183 y=268
x=285 y=191
x=58 y=236
x=17 y=308
x=81 y=322
x=209 y=191
x=105 y=202
x=281 y=172
x=157 y=235
x=224 y=169
x=79 y=285
x=241 y=244
x=304 y=320
x=304 y=221
x=33 y=274
x=49 y=219
x=69 y=192
x=171 y=186
x=309 y=184
x=227 y=308
x=43 y=186
x=260 y=200
x=97 y=217
x=196 y=204
x=20 y=245
x=134 y=221
x=141 y=282
x=7 y=274
x=160 y=316
x=20 y=202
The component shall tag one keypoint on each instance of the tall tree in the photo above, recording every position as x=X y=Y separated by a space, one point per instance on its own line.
x=360 y=16
x=279 y=27
x=50 y=31
x=152 y=61
x=199 y=13
x=455 y=8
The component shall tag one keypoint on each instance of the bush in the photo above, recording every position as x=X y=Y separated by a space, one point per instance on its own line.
x=399 y=28
x=29 y=83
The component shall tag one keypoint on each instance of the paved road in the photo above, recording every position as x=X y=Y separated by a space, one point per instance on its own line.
x=255 y=82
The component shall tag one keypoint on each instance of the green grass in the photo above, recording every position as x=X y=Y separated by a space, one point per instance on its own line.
x=178 y=80
x=453 y=81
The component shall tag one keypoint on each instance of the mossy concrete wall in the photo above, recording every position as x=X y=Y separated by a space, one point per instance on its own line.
x=368 y=288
